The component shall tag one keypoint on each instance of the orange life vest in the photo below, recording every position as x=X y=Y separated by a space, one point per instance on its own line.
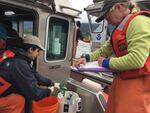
x=120 y=47
x=4 y=85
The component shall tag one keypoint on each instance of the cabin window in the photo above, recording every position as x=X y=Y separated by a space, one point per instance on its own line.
x=57 y=39
x=28 y=27
x=15 y=25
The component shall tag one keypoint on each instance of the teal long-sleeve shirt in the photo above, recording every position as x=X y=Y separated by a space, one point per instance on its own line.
x=138 y=39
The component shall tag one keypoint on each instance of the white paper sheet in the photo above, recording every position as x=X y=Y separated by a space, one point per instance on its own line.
x=92 y=67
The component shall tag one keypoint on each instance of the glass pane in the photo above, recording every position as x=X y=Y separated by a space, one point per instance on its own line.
x=15 y=25
x=57 y=39
x=28 y=27
x=95 y=27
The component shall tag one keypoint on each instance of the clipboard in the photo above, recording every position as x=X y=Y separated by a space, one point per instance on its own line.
x=92 y=67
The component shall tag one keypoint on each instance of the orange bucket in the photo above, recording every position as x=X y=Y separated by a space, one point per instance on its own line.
x=49 y=104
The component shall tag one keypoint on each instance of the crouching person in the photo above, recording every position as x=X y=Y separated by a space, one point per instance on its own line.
x=19 y=81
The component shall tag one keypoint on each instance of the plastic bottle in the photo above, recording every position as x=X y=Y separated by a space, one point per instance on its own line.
x=63 y=89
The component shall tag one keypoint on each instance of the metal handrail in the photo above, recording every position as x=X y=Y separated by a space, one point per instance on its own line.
x=66 y=7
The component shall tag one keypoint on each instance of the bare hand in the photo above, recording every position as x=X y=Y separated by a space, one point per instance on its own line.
x=100 y=60
x=80 y=61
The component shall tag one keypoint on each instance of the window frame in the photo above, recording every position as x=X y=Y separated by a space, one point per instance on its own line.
x=46 y=40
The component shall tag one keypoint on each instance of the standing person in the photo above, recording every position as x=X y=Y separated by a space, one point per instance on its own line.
x=3 y=33
x=19 y=81
x=79 y=33
x=9 y=29
x=3 y=37
x=130 y=41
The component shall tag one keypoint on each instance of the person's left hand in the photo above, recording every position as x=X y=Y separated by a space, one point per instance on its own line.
x=100 y=60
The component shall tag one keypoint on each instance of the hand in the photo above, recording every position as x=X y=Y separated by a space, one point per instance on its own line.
x=54 y=90
x=57 y=85
x=100 y=60
x=80 y=61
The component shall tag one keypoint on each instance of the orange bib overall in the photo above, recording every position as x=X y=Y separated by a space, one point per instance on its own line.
x=130 y=91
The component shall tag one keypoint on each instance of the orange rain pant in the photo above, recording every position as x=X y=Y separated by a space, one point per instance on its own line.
x=12 y=103
x=129 y=96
